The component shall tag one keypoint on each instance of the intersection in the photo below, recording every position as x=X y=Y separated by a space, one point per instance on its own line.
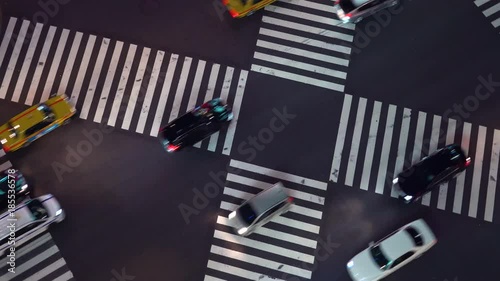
x=332 y=119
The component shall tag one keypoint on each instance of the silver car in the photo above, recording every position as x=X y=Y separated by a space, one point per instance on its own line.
x=27 y=220
x=355 y=10
x=260 y=209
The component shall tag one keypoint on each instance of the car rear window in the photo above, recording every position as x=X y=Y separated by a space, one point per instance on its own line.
x=247 y=214
x=415 y=235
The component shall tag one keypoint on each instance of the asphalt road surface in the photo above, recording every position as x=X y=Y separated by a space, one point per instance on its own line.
x=332 y=110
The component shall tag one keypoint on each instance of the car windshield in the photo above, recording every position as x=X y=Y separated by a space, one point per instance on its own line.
x=247 y=214
x=415 y=235
x=37 y=209
x=379 y=257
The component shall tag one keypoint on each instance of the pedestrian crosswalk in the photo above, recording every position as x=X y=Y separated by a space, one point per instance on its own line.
x=4 y=162
x=491 y=10
x=119 y=84
x=40 y=259
x=376 y=141
x=301 y=40
x=284 y=247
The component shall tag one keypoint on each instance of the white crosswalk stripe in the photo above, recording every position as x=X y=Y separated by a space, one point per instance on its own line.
x=405 y=138
x=39 y=259
x=316 y=53
x=491 y=10
x=152 y=87
x=283 y=247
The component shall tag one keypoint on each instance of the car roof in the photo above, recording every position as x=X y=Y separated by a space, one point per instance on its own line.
x=268 y=198
x=397 y=245
x=181 y=126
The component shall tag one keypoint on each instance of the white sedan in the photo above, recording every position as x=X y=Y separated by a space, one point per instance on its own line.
x=392 y=252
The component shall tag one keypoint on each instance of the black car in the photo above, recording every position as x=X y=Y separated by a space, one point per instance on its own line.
x=21 y=187
x=195 y=125
x=432 y=171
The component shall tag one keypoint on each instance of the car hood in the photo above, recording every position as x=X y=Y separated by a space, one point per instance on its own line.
x=363 y=268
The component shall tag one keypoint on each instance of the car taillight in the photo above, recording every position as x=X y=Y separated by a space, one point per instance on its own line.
x=225 y=2
x=290 y=200
x=172 y=148
x=6 y=148
x=467 y=161
x=234 y=13
x=349 y=15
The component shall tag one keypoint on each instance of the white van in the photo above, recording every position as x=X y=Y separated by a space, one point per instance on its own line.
x=29 y=219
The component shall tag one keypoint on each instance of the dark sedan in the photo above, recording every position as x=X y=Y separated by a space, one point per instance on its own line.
x=355 y=10
x=432 y=171
x=195 y=125
x=21 y=187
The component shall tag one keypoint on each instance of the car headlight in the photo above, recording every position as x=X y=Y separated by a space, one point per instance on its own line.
x=408 y=197
x=394 y=181
x=232 y=215
x=58 y=212
x=24 y=187
x=350 y=264
x=242 y=230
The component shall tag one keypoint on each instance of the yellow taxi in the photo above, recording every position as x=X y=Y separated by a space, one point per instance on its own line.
x=35 y=122
x=242 y=8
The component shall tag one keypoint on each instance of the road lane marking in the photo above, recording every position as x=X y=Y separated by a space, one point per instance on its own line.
x=266 y=247
x=6 y=38
x=450 y=139
x=210 y=278
x=386 y=149
x=260 y=262
x=459 y=186
x=298 y=78
x=150 y=90
x=110 y=77
x=89 y=96
x=403 y=140
x=278 y=174
x=226 y=85
x=492 y=178
x=65 y=277
x=295 y=239
x=370 y=147
x=310 y=17
x=28 y=58
x=341 y=133
x=492 y=10
x=46 y=270
x=231 y=130
x=165 y=91
x=300 y=65
x=181 y=86
x=20 y=40
x=31 y=262
x=478 y=169
x=136 y=88
x=54 y=67
x=82 y=71
x=302 y=53
x=305 y=41
x=243 y=273
x=308 y=28
x=115 y=108
x=356 y=138
x=70 y=62
x=433 y=145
